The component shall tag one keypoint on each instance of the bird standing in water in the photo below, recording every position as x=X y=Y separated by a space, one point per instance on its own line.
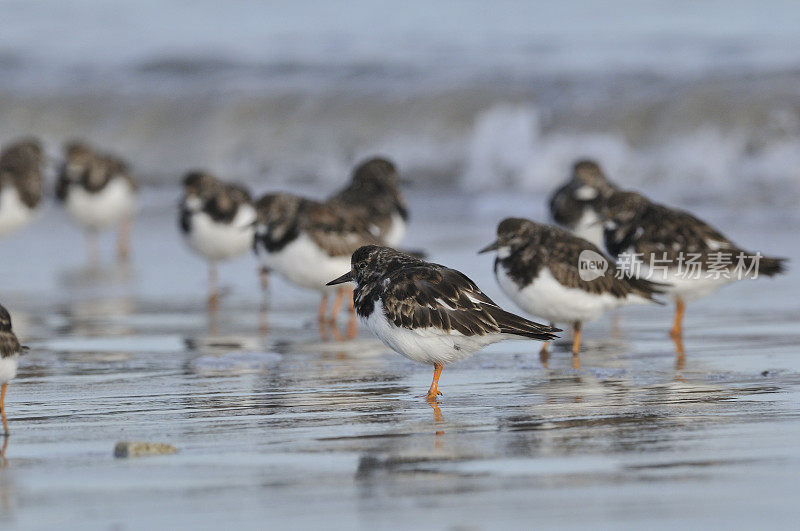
x=10 y=351
x=98 y=192
x=428 y=312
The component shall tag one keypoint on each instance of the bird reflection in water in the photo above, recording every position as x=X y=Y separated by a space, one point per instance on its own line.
x=680 y=354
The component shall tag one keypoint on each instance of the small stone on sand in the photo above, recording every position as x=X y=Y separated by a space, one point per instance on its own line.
x=141 y=448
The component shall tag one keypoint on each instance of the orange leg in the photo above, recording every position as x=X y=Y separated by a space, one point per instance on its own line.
x=3 y=409
x=352 y=326
x=213 y=294
x=124 y=239
x=434 y=390
x=337 y=305
x=576 y=346
x=544 y=355
x=677 y=326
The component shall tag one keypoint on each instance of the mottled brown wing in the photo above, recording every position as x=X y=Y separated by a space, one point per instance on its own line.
x=564 y=253
x=666 y=233
x=9 y=345
x=336 y=231
x=439 y=297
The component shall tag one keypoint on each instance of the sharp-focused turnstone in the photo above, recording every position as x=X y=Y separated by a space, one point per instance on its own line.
x=540 y=268
x=98 y=191
x=308 y=243
x=374 y=195
x=428 y=312
x=672 y=246
x=575 y=206
x=10 y=350
x=217 y=220
x=21 y=183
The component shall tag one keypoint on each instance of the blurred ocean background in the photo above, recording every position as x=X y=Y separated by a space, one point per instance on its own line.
x=688 y=100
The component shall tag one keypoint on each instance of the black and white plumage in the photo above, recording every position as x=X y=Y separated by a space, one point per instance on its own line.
x=21 y=183
x=576 y=205
x=374 y=195
x=217 y=221
x=684 y=250
x=98 y=191
x=428 y=312
x=10 y=351
x=538 y=267
x=308 y=242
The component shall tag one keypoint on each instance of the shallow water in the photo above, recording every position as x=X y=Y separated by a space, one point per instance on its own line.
x=275 y=426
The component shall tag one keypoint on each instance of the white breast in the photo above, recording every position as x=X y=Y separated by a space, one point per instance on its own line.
x=101 y=209
x=8 y=368
x=13 y=212
x=304 y=263
x=222 y=241
x=427 y=345
x=549 y=300
x=397 y=229
x=589 y=229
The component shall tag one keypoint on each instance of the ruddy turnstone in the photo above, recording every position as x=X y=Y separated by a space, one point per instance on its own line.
x=10 y=351
x=217 y=220
x=21 y=183
x=374 y=195
x=98 y=191
x=308 y=243
x=428 y=312
x=545 y=271
x=674 y=247
x=575 y=205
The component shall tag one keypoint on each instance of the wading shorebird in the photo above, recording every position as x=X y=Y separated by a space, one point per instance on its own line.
x=541 y=269
x=98 y=191
x=21 y=183
x=673 y=247
x=428 y=312
x=10 y=351
x=374 y=195
x=308 y=243
x=216 y=219
x=576 y=205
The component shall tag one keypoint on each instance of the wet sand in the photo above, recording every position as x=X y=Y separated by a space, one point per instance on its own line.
x=276 y=427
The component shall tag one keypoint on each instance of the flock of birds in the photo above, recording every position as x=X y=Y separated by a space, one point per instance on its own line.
x=346 y=247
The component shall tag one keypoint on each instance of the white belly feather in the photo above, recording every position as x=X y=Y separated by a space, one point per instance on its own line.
x=304 y=263
x=13 y=212
x=102 y=209
x=427 y=345
x=549 y=300
x=222 y=241
x=589 y=229
x=397 y=229
x=8 y=368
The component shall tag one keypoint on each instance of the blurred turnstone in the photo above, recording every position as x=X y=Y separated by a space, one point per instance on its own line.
x=308 y=243
x=21 y=183
x=672 y=246
x=427 y=312
x=217 y=220
x=541 y=269
x=10 y=350
x=575 y=205
x=374 y=195
x=98 y=191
